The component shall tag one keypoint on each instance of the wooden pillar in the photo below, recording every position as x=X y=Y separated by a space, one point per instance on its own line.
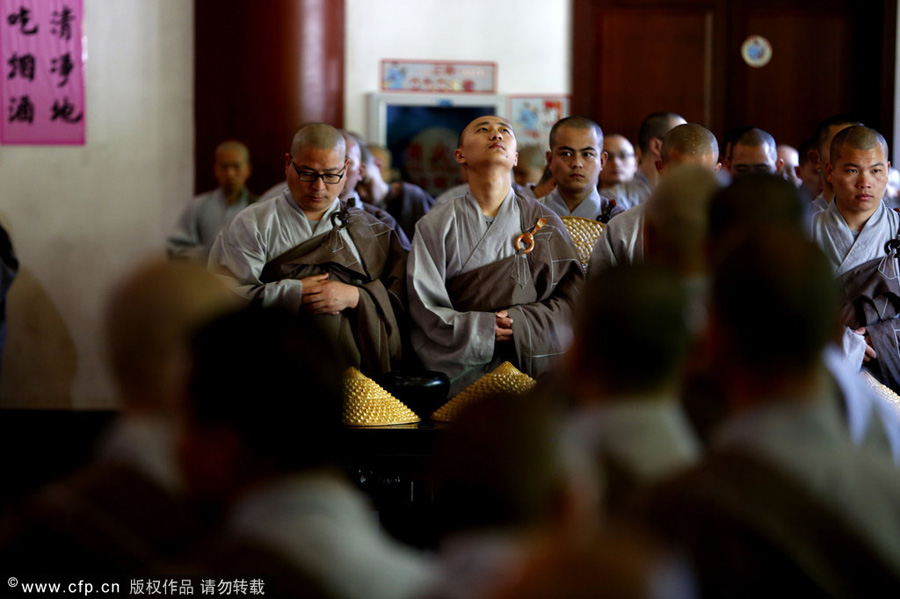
x=262 y=69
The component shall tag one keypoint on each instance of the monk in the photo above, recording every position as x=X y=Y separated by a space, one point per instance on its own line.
x=653 y=130
x=754 y=151
x=853 y=232
x=622 y=240
x=576 y=159
x=492 y=276
x=208 y=213
x=617 y=177
x=819 y=156
x=305 y=250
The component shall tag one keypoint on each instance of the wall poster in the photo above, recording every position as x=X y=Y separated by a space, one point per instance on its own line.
x=42 y=84
x=533 y=116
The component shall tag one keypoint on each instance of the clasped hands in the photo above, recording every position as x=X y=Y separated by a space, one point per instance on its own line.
x=503 y=330
x=321 y=296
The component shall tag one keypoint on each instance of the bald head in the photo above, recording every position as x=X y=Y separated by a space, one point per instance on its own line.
x=575 y=122
x=655 y=126
x=753 y=151
x=532 y=160
x=691 y=143
x=233 y=145
x=858 y=138
x=319 y=136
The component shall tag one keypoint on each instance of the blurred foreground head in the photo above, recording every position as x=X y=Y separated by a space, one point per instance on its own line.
x=676 y=225
x=264 y=399
x=632 y=332
x=748 y=204
x=499 y=467
x=151 y=316
x=775 y=306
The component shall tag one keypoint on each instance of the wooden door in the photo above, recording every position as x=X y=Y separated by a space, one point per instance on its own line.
x=828 y=56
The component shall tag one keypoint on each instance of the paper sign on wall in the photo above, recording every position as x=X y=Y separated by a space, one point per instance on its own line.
x=42 y=81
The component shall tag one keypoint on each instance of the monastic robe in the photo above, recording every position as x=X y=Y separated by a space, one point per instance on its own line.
x=201 y=221
x=783 y=504
x=627 y=194
x=595 y=206
x=353 y=201
x=271 y=246
x=462 y=270
x=622 y=241
x=847 y=252
x=407 y=203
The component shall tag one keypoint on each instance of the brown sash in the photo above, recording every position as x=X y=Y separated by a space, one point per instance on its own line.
x=538 y=289
x=369 y=337
x=872 y=300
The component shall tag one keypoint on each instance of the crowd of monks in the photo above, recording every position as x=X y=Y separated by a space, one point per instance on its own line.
x=715 y=410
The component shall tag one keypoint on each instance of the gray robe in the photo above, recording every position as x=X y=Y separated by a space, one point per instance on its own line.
x=782 y=504
x=461 y=271
x=622 y=241
x=627 y=194
x=260 y=234
x=273 y=248
x=595 y=206
x=201 y=221
x=847 y=251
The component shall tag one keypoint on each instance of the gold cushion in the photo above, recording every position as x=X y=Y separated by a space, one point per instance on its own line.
x=366 y=403
x=505 y=379
x=584 y=232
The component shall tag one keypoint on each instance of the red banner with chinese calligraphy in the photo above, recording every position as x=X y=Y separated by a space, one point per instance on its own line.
x=42 y=84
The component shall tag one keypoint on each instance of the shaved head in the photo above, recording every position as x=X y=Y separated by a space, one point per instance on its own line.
x=656 y=125
x=755 y=138
x=826 y=129
x=575 y=122
x=233 y=145
x=320 y=136
x=689 y=140
x=858 y=138
x=479 y=120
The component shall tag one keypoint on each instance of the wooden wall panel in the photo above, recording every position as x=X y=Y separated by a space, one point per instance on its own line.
x=805 y=81
x=639 y=51
x=633 y=57
x=262 y=69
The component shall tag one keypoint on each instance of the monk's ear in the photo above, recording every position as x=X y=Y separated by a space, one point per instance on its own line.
x=287 y=164
x=516 y=159
x=458 y=156
x=655 y=146
x=815 y=158
x=828 y=171
x=778 y=164
x=604 y=156
x=659 y=166
x=362 y=171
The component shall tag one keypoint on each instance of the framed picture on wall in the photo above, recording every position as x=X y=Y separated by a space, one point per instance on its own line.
x=442 y=77
x=532 y=116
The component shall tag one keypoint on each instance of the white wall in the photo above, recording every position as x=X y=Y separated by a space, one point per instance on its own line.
x=528 y=39
x=80 y=216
